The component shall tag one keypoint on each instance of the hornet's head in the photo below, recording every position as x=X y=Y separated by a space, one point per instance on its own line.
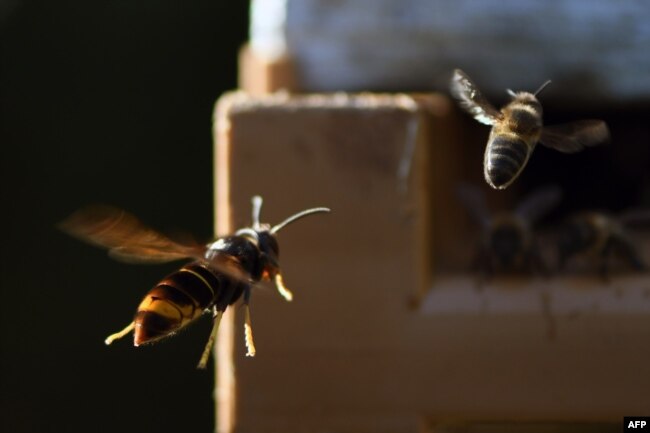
x=264 y=236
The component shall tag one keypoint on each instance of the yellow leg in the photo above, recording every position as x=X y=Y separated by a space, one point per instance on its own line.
x=248 y=332
x=203 y=362
x=120 y=334
x=286 y=293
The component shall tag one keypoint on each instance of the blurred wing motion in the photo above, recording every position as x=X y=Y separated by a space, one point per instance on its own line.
x=538 y=203
x=125 y=237
x=636 y=217
x=473 y=200
x=471 y=99
x=575 y=136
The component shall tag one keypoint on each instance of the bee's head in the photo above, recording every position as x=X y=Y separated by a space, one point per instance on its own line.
x=265 y=236
x=508 y=238
x=577 y=234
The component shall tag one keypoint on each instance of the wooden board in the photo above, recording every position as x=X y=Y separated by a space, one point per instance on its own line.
x=259 y=74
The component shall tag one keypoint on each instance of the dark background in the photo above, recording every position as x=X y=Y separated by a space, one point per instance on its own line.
x=103 y=102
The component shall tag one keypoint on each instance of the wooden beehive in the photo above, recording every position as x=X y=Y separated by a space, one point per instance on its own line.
x=387 y=332
x=353 y=352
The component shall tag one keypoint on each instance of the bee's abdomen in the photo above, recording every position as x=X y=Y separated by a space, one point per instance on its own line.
x=176 y=301
x=505 y=157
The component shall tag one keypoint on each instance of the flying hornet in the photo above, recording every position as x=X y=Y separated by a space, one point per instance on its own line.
x=220 y=273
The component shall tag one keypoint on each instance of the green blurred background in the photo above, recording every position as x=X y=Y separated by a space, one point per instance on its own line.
x=110 y=102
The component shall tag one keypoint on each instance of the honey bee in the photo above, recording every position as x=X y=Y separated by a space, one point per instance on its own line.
x=596 y=236
x=507 y=243
x=517 y=128
x=220 y=274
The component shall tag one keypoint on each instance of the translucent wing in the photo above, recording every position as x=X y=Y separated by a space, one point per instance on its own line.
x=125 y=237
x=227 y=264
x=575 y=136
x=636 y=217
x=541 y=201
x=471 y=99
x=473 y=200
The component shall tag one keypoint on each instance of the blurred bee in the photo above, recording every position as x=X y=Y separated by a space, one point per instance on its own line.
x=517 y=128
x=507 y=243
x=220 y=274
x=596 y=236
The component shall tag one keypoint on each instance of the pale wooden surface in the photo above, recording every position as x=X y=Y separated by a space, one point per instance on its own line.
x=225 y=395
x=594 y=51
x=569 y=296
x=350 y=354
x=343 y=152
x=259 y=75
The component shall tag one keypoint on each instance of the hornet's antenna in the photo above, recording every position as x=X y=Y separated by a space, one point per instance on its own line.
x=297 y=216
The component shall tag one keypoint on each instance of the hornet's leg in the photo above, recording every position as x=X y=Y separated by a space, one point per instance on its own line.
x=120 y=334
x=216 y=314
x=248 y=329
x=279 y=284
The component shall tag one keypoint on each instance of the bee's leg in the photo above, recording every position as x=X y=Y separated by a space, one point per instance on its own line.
x=120 y=334
x=630 y=253
x=562 y=259
x=216 y=315
x=603 y=266
x=279 y=284
x=248 y=329
x=537 y=263
x=529 y=263
x=547 y=313
x=482 y=266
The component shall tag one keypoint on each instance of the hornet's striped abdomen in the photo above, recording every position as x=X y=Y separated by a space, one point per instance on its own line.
x=223 y=271
x=177 y=300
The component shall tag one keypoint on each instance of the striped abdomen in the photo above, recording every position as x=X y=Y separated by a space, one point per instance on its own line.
x=505 y=157
x=179 y=299
x=512 y=140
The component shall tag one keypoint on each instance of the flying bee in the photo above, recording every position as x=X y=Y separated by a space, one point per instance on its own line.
x=517 y=128
x=220 y=274
x=597 y=236
x=507 y=243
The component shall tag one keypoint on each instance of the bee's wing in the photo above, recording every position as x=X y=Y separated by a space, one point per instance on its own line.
x=539 y=202
x=473 y=200
x=575 y=136
x=471 y=99
x=635 y=217
x=125 y=237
